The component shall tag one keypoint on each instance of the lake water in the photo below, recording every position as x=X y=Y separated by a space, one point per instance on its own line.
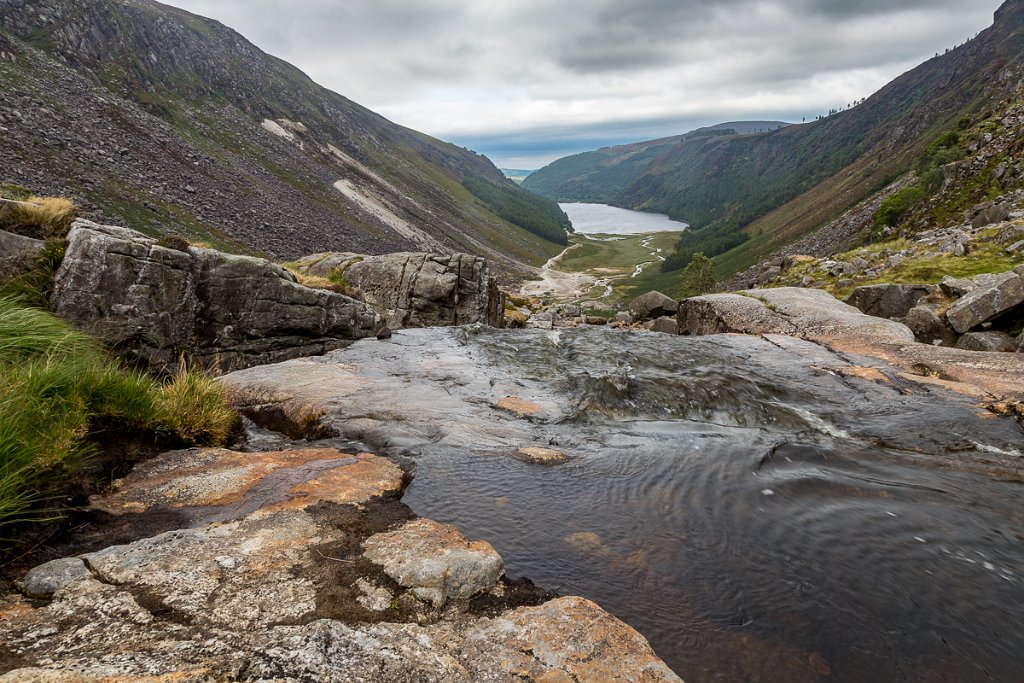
x=611 y=220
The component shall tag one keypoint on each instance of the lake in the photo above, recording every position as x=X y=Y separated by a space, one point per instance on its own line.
x=611 y=220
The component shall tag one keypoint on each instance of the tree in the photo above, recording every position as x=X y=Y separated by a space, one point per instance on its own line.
x=699 y=275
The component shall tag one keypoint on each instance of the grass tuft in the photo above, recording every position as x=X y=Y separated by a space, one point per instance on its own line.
x=38 y=217
x=61 y=395
x=194 y=405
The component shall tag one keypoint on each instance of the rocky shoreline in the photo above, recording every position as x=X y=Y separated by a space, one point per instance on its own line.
x=297 y=565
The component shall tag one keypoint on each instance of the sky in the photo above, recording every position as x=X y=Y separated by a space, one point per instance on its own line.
x=528 y=81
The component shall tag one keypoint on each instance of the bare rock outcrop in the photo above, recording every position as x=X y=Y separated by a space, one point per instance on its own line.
x=155 y=302
x=807 y=313
x=263 y=577
x=417 y=289
x=16 y=254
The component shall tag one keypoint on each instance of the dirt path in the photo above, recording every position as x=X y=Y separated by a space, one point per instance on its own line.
x=559 y=284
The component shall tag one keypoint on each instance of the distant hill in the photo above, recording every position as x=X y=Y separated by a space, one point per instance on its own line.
x=516 y=175
x=602 y=175
x=170 y=122
x=746 y=195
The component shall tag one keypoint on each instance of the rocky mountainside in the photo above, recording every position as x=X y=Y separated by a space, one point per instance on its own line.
x=169 y=122
x=748 y=195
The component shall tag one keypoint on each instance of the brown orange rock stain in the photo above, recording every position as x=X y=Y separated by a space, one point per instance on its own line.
x=519 y=407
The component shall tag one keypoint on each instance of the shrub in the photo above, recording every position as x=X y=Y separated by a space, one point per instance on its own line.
x=699 y=275
x=38 y=217
x=895 y=205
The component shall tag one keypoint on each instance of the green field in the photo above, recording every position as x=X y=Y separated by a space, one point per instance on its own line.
x=615 y=257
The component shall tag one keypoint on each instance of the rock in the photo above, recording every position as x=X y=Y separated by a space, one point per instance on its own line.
x=929 y=328
x=665 y=325
x=808 y=313
x=956 y=287
x=435 y=561
x=895 y=260
x=652 y=305
x=768 y=274
x=624 y=318
x=542 y=321
x=541 y=456
x=581 y=645
x=226 y=311
x=595 y=320
x=987 y=341
x=887 y=301
x=18 y=252
x=986 y=302
x=417 y=289
x=718 y=313
x=989 y=213
x=860 y=264
x=46 y=579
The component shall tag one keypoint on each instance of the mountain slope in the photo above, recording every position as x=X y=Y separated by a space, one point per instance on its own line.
x=601 y=176
x=763 y=191
x=173 y=122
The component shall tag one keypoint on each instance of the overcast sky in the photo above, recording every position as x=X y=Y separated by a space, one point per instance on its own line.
x=528 y=81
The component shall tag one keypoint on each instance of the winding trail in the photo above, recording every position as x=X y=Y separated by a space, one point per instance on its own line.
x=558 y=283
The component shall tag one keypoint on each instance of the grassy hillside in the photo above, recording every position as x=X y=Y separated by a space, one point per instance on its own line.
x=747 y=195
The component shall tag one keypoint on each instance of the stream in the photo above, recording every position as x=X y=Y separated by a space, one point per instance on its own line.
x=751 y=506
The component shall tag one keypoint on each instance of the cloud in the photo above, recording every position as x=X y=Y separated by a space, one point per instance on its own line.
x=555 y=76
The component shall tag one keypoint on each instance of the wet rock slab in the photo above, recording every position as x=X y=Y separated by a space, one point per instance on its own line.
x=248 y=588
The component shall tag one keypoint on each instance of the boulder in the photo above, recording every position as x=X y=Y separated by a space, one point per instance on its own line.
x=417 y=289
x=930 y=328
x=987 y=341
x=652 y=305
x=887 y=301
x=46 y=579
x=435 y=561
x=155 y=302
x=666 y=325
x=808 y=313
x=1002 y=293
x=623 y=318
x=17 y=253
x=956 y=286
x=545 y=320
x=719 y=313
x=989 y=213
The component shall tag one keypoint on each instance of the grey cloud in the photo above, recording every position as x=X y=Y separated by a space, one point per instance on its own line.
x=472 y=70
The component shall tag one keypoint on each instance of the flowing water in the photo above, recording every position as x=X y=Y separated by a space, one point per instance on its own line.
x=754 y=508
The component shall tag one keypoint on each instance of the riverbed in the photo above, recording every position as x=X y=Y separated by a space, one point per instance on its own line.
x=756 y=509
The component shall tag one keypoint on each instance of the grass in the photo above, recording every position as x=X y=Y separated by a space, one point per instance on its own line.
x=62 y=396
x=616 y=257
x=38 y=217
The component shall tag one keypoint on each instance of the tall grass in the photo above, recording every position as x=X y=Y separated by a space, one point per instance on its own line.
x=39 y=217
x=58 y=387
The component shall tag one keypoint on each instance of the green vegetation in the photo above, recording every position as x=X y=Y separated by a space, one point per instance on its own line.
x=61 y=395
x=893 y=207
x=539 y=215
x=699 y=276
x=707 y=241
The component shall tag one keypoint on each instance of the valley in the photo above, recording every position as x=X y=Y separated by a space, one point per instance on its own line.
x=291 y=391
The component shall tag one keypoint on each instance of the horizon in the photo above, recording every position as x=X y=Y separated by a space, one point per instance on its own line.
x=526 y=84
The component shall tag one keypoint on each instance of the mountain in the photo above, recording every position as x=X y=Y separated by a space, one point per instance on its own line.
x=602 y=175
x=170 y=122
x=748 y=195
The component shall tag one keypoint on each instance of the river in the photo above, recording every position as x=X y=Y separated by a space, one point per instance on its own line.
x=754 y=511
x=610 y=220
